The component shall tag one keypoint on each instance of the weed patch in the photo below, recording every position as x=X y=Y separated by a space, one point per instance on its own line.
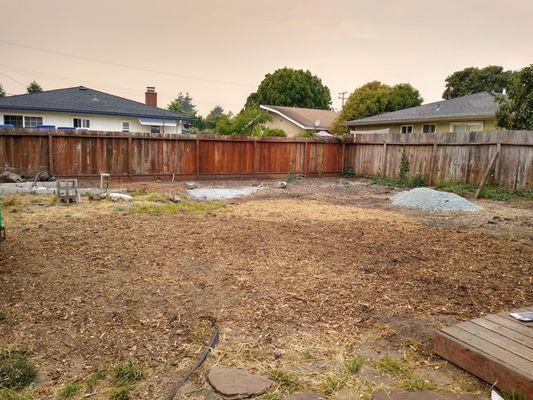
x=332 y=384
x=93 y=380
x=7 y=394
x=390 y=366
x=488 y=192
x=286 y=380
x=354 y=365
x=69 y=390
x=173 y=208
x=16 y=370
x=412 y=382
x=127 y=373
x=120 y=393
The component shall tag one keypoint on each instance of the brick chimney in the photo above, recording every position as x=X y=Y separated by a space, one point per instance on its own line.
x=150 y=97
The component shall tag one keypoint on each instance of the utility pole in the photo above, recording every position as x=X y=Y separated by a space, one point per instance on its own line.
x=342 y=96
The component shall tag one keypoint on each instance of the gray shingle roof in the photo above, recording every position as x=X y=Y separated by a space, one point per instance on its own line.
x=85 y=101
x=481 y=104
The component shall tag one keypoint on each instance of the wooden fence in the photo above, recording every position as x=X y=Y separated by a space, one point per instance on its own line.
x=436 y=157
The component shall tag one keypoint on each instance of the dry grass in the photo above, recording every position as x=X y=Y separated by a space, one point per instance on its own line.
x=289 y=281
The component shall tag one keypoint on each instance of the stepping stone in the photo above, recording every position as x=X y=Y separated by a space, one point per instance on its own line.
x=315 y=366
x=369 y=374
x=434 y=376
x=236 y=383
x=423 y=395
x=346 y=394
x=304 y=396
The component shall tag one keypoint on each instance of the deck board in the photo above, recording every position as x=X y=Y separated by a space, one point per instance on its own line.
x=496 y=348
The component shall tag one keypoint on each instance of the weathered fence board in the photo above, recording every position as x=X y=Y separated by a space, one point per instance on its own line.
x=436 y=157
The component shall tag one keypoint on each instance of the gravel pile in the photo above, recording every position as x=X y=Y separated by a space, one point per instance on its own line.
x=432 y=200
x=221 y=193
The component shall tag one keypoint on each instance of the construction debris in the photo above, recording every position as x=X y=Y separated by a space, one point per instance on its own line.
x=282 y=185
x=221 y=193
x=119 y=197
x=432 y=200
x=191 y=185
x=67 y=191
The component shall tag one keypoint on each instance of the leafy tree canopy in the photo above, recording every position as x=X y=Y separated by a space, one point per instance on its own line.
x=249 y=122
x=375 y=98
x=214 y=116
x=2 y=91
x=183 y=104
x=474 y=80
x=516 y=109
x=34 y=87
x=291 y=88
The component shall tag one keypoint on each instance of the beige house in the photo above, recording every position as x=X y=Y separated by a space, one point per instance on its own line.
x=294 y=120
x=473 y=113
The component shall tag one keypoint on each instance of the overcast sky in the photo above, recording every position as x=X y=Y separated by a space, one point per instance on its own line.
x=219 y=51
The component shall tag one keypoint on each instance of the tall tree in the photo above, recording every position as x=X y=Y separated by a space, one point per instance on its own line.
x=291 y=88
x=34 y=87
x=375 y=98
x=183 y=104
x=516 y=108
x=474 y=80
x=249 y=122
x=2 y=91
x=214 y=116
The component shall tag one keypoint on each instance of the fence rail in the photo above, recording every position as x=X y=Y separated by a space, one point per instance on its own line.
x=436 y=157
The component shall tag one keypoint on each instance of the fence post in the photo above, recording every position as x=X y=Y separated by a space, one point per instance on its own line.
x=130 y=157
x=254 y=155
x=197 y=156
x=433 y=163
x=384 y=159
x=343 y=165
x=50 y=155
x=498 y=163
x=305 y=159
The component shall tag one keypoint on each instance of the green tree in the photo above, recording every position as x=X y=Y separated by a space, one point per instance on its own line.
x=183 y=104
x=474 y=80
x=291 y=88
x=516 y=108
x=214 y=116
x=34 y=87
x=2 y=91
x=375 y=98
x=249 y=122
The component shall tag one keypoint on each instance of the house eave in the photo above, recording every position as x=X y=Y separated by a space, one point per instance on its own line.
x=85 y=112
x=418 y=120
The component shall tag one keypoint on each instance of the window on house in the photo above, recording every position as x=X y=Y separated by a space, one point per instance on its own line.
x=15 y=120
x=462 y=127
x=429 y=128
x=155 y=129
x=125 y=127
x=30 y=122
x=82 y=123
x=406 y=129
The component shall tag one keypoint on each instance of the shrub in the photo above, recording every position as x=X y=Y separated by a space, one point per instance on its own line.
x=274 y=132
x=348 y=172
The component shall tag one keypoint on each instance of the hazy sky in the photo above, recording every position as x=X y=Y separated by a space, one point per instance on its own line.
x=219 y=51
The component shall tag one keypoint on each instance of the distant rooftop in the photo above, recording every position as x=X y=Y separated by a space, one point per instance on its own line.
x=481 y=104
x=305 y=118
x=83 y=100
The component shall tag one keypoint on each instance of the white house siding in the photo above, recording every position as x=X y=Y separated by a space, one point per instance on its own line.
x=97 y=122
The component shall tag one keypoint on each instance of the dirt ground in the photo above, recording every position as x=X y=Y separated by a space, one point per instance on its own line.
x=321 y=271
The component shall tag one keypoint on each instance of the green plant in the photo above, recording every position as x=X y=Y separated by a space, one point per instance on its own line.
x=273 y=132
x=126 y=373
x=120 y=393
x=404 y=166
x=273 y=395
x=488 y=192
x=390 y=365
x=348 y=172
x=286 y=380
x=306 y=134
x=173 y=208
x=514 y=395
x=332 y=384
x=412 y=382
x=16 y=370
x=353 y=365
x=69 y=390
x=96 y=377
x=3 y=316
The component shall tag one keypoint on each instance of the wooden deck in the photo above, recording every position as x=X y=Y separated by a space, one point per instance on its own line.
x=496 y=348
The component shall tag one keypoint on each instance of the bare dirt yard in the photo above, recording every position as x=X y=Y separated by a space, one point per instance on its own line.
x=322 y=286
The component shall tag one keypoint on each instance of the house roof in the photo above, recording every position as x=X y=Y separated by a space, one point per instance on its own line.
x=82 y=100
x=304 y=117
x=481 y=104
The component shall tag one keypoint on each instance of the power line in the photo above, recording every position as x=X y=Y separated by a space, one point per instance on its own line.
x=342 y=96
x=13 y=79
x=126 y=65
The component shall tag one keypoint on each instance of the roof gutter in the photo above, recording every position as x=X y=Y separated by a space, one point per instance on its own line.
x=284 y=116
x=172 y=116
